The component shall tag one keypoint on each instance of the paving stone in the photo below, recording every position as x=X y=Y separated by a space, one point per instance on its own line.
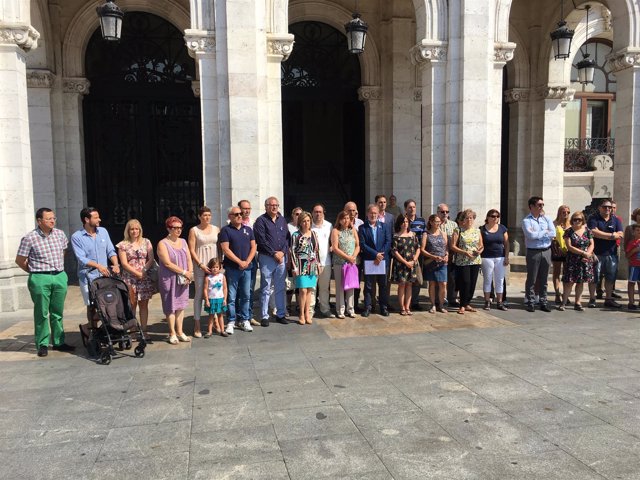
x=151 y=412
x=383 y=400
x=166 y=466
x=144 y=441
x=275 y=470
x=336 y=456
x=451 y=463
x=312 y=422
x=237 y=413
x=505 y=389
x=287 y=393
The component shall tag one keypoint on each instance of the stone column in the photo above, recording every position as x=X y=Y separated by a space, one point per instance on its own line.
x=73 y=90
x=202 y=47
x=16 y=184
x=626 y=65
x=39 y=84
x=431 y=57
x=373 y=139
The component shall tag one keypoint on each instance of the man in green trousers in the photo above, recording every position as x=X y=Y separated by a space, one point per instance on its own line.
x=41 y=254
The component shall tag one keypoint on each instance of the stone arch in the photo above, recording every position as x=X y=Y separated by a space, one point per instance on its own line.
x=85 y=22
x=41 y=57
x=626 y=23
x=335 y=16
x=503 y=9
x=431 y=20
x=518 y=69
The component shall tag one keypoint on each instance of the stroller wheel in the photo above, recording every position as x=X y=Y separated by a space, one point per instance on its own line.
x=127 y=345
x=105 y=359
x=139 y=351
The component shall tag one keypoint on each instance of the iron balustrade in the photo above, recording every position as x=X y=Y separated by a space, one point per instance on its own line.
x=580 y=152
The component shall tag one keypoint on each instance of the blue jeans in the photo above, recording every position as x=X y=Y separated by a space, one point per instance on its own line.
x=238 y=285
x=272 y=277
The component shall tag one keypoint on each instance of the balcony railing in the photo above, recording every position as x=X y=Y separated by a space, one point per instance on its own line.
x=580 y=152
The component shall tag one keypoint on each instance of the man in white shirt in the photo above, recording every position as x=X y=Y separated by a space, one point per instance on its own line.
x=322 y=228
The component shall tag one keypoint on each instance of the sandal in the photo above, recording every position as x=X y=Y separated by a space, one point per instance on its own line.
x=198 y=334
x=461 y=311
x=443 y=310
x=560 y=307
x=432 y=309
x=471 y=309
x=183 y=338
x=207 y=335
x=403 y=312
x=173 y=340
x=578 y=307
x=409 y=312
x=301 y=321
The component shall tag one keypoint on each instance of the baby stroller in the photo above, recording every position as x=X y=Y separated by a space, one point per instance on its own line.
x=110 y=297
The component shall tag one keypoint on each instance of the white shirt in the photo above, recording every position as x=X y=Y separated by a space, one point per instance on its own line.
x=323 y=232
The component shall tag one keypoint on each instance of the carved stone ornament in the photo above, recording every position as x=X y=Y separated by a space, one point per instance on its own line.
x=503 y=52
x=76 y=85
x=195 y=87
x=40 y=78
x=605 y=13
x=25 y=36
x=428 y=51
x=555 y=92
x=280 y=45
x=417 y=94
x=201 y=42
x=626 y=58
x=515 y=95
x=368 y=93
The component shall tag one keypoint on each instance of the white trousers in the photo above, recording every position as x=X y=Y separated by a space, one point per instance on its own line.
x=493 y=269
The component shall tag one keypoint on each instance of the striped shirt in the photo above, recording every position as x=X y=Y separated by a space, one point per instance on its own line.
x=45 y=253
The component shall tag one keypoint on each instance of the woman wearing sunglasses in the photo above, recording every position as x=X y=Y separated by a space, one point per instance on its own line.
x=578 y=268
x=495 y=258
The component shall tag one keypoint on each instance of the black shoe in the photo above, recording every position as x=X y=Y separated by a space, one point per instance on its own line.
x=615 y=295
x=592 y=303
x=366 y=312
x=282 y=320
x=264 y=322
x=530 y=307
x=545 y=308
x=384 y=312
x=632 y=306
x=43 y=351
x=64 y=348
x=612 y=304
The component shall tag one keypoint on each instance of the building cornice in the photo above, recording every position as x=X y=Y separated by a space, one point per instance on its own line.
x=40 y=79
x=280 y=46
x=623 y=59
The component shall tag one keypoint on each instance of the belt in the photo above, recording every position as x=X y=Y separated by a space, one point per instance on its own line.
x=50 y=272
x=539 y=249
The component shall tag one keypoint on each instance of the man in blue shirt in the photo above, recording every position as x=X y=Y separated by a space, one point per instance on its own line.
x=272 y=238
x=93 y=249
x=375 y=245
x=606 y=229
x=538 y=231
x=239 y=247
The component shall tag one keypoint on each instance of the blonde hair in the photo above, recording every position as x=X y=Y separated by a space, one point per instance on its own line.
x=130 y=223
x=303 y=214
x=556 y=222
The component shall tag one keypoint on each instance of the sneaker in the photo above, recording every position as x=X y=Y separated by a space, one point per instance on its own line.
x=530 y=307
x=487 y=305
x=352 y=315
x=282 y=320
x=545 y=308
x=254 y=322
x=229 y=329
x=327 y=315
x=502 y=306
x=340 y=316
x=64 y=348
x=612 y=304
x=43 y=351
x=632 y=306
x=592 y=303
x=264 y=322
x=246 y=326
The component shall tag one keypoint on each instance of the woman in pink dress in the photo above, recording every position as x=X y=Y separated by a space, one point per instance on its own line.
x=136 y=257
x=174 y=275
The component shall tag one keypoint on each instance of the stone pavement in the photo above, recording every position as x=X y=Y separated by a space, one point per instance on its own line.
x=498 y=395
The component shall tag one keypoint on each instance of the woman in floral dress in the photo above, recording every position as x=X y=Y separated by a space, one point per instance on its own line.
x=467 y=245
x=136 y=257
x=306 y=264
x=578 y=267
x=405 y=250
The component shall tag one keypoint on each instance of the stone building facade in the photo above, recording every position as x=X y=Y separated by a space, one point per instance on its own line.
x=453 y=101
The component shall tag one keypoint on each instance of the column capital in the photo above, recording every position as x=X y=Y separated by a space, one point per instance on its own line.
x=623 y=59
x=555 y=92
x=280 y=46
x=195 y=87
x=503 y=53
x=515 y=95
x=200 y=42
x=368 y=93
x=24 y=36
x=40 y=78
x=428 y=51
x=76 y=85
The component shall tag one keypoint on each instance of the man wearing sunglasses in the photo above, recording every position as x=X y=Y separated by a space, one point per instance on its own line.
x=448 y=226
x=606 y=229
x=538 y=231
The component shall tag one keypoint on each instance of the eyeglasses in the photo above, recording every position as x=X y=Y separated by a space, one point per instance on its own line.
x=444 y=211
x=296 y=214
x=272 y=205
x=236 y=214
x=494 y=216
x=576 y=220
x=176 y=227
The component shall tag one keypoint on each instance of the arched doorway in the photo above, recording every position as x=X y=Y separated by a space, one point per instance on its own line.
x=322 y=120
x=142 y=127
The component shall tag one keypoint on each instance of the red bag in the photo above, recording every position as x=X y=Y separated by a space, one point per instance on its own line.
x=350 y=277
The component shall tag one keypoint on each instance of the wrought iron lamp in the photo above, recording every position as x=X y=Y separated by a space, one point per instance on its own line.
x=110 y=20
x=586 y=67
x=561 y=37
x=356 y=33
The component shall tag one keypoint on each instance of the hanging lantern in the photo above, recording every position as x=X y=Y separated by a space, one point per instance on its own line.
x=561 y=37
x=110 y=20
x=586 y=67
x=356 y=34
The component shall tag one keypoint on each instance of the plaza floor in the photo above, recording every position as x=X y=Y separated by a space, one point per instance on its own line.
x=490 y=395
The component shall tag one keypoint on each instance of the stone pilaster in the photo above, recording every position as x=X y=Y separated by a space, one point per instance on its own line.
x=202 y=47
x=371 y=96
x=431 y=57
x=16 y=185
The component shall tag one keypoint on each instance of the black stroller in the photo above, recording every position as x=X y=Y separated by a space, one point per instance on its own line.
x=110 y=297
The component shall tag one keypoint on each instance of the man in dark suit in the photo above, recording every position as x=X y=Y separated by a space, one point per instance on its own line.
x=375 y=245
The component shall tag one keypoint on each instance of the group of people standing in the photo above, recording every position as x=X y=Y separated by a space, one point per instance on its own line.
x=401 y=247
